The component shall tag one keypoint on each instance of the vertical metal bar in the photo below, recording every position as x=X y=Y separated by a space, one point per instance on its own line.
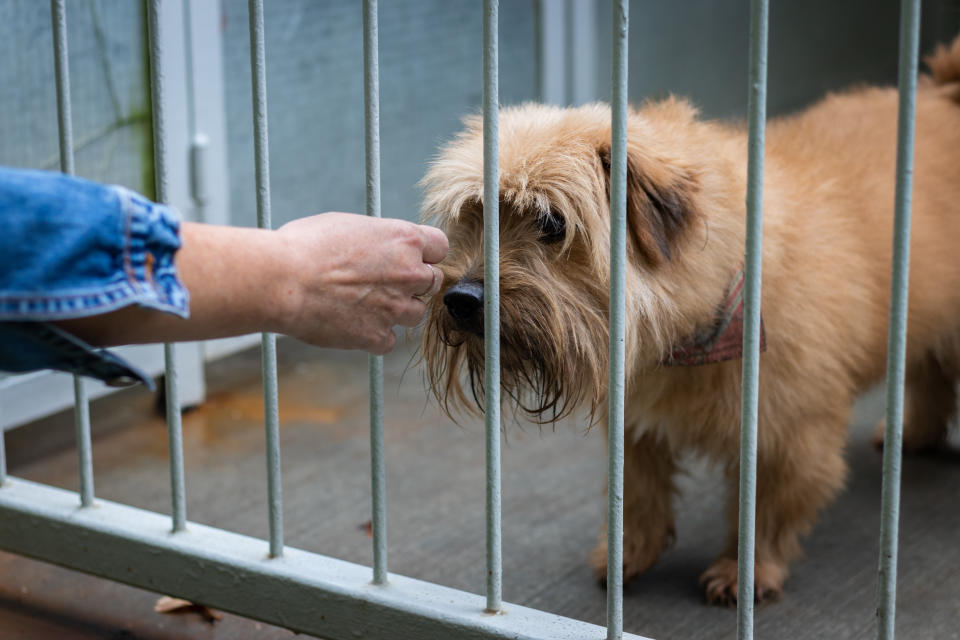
x=258 y=67
x=491 y=297
x=3 y=456
x=81 y=406
x=58 y=14
x=371 y=100
x=897 y=337
x=178 y=490
x=757 y=115
x=618 y=252
x=174 y=427
x=81 y=423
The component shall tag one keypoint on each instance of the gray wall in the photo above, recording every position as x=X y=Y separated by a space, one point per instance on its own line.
x=698 y=49
x=430 y=72
x=109 y=87
x=430 y=75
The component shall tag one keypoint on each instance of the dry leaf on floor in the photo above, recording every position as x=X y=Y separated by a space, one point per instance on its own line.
x=166 y=604
x=367 y=528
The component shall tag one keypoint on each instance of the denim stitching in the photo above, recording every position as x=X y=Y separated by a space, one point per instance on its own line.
x=147 y=227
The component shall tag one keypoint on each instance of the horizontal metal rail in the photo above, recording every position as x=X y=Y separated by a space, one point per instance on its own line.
x=301 y=591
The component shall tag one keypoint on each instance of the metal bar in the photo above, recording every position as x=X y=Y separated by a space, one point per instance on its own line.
x=371 y=101
x=757 y=115
x=491 y=299
x=81 y=423
x=303 y=591
x=174 y=427
x=897 y=336
x=268 y=352
x=178 y=491
x=271 y=411
x=58 y=14
x=81 y=405
x=618 y=251
x=3 y=457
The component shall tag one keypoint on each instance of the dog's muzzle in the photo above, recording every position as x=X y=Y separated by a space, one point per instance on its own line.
x=464 y=302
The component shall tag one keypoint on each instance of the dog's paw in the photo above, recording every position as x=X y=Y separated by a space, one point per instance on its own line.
x=719 y=582
x=638 y=556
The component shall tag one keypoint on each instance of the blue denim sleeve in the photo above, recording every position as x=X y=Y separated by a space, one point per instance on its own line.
x=73 y=248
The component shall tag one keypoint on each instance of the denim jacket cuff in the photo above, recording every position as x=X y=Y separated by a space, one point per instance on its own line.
x=123 y=254
x=153 y=237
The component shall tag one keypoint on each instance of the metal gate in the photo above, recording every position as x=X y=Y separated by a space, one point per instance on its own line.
x=327 y=597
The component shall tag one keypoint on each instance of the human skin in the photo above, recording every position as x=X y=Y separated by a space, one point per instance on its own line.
x=336 y=280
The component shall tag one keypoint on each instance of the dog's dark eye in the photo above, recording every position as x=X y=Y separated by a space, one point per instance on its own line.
x=552 y=227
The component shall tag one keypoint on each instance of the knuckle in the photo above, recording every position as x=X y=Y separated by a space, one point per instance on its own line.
x=386 y=343
x=398 y=308
x=418 y=276
x=407 y=232
x=414 y=313
x=439 y=239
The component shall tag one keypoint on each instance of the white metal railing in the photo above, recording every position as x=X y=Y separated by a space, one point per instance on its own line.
x=314 y=594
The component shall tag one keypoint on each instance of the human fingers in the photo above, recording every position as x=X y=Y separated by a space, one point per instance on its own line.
x=411 y=313
x=383 y=345
x=435 y=282
x=435 y=245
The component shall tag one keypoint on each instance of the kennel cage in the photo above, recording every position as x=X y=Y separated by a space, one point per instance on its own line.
x=133 y=546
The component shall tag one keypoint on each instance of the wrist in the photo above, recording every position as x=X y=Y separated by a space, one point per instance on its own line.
x=282 y=283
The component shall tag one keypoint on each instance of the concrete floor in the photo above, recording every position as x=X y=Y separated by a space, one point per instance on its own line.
x=552 y=506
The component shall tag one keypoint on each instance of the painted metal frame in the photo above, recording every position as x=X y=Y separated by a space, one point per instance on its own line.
x=747 y=509
x=323 y=596
x=268 y=345
x=897 y=336
x=378 y=473
x=81 y=406
x=618 y=260
x=301 y=591
x=491 y=298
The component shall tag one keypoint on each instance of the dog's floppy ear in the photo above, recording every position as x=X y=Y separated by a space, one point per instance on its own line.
x=659 y=204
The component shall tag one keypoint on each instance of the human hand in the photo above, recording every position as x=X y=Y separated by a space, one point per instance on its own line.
x=355 y=277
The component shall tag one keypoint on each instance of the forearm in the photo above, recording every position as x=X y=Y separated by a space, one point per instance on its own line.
x=332 y=280
x=239 y=281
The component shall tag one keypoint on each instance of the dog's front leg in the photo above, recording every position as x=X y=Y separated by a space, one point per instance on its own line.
x=800 y=469
x=648 y=492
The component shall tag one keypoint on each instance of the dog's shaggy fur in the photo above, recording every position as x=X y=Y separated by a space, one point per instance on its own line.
x=828 y=219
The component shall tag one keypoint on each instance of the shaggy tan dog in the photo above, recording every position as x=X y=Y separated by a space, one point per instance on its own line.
x=828 y=218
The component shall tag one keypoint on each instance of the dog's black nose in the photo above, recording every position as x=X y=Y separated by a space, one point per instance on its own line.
x=464 y=302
